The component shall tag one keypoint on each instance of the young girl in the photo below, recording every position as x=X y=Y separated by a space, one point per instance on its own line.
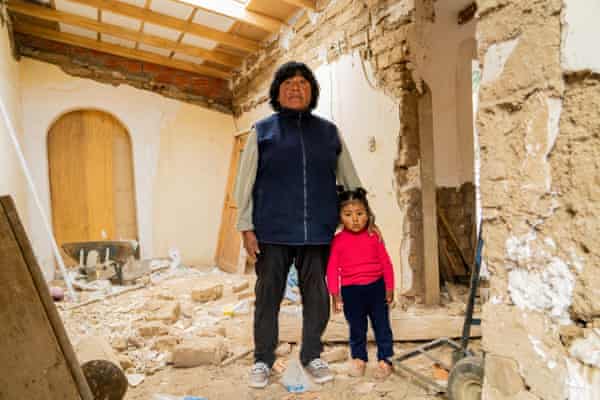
x=360 y=279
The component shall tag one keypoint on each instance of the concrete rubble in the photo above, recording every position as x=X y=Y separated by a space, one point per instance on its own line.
x=161 y=330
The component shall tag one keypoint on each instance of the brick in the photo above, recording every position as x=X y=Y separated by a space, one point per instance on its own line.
x=152 y=329
x=338 y=354
x=207 y=293
x=199 y=351
x=165 y=343
x=168 y=313
x=95 y=348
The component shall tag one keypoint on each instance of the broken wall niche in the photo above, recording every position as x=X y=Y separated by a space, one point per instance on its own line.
x=442 y=50
x=335 y=41
x=540 y=143
x=173 y=143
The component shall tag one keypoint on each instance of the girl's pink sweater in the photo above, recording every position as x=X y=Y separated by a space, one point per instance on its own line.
x=358 y=259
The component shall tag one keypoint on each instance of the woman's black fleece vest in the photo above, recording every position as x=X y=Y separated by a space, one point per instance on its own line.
x=295 y=201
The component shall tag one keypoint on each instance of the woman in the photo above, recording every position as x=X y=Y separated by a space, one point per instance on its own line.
x=287 y=205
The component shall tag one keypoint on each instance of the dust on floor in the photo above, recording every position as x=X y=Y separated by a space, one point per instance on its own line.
x=147 y=329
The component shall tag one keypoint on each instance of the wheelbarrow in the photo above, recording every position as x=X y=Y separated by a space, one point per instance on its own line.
x=115 y=253
x=465 y=378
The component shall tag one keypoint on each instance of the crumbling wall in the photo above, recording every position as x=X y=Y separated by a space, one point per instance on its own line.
x=376 y=31
x=539 y=133
x=12 y=180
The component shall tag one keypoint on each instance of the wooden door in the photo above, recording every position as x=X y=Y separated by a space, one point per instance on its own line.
x=229 y=246
x=91 y=178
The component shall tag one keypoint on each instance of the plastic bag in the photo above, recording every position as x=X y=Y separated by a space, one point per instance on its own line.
x=292 y=282
x=295 y=379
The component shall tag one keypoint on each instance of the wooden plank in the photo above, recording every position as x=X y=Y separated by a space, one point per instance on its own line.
x=448 y=229
x=236 y=11
x=48 y=14
x=404 y=327
x=77 y=40
x=428 y=191
x=167 y=21
x=229 y=245
x=309 y=4
x=38 y=359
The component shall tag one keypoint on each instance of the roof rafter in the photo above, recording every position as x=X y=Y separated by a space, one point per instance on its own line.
x=310 y=4
x=42 y=12
x=92 y=44
x=237 y=12
x=167 y=21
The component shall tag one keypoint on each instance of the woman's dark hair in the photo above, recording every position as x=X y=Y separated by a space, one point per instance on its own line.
x=289 y=70
x=350 y=196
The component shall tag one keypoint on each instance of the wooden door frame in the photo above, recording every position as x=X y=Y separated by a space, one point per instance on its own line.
x=231 y=177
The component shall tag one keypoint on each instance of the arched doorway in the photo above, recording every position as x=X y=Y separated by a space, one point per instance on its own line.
x=91 y=178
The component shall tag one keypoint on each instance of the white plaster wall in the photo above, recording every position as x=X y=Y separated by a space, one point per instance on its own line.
x=179 y=186
x=361 y=112
x=441 y=48
x=12 y=180
x=581 y=31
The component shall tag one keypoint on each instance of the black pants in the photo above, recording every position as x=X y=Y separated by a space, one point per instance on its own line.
x=272 y=268
x=360 y=302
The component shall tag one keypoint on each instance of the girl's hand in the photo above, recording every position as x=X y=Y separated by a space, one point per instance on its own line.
x=389 y=296
x=338 y=304
x=374 y=229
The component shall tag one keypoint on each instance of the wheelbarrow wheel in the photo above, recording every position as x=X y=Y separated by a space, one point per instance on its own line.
x=466 y=379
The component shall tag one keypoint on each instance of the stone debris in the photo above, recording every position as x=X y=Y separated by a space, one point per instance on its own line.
x=337 y=354
x=168 y=313
x=283 y=349
x=246 y=294
x=125 y=361
x=207 y=293
x=119 y=343
x=91 y=348
x=165 y=343
x=240 y=286
x=199 y=351
x=152 y=329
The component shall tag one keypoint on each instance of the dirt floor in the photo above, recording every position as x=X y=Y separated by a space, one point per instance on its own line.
x=143 y=328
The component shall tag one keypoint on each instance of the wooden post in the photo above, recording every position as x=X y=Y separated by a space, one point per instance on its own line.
x=428 y=193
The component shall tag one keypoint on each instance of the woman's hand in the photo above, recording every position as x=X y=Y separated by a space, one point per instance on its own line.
x=251 y=245
x=389 y=296
x=338 y=304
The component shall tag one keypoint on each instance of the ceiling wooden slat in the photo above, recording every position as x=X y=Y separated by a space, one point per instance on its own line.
x=167 y=21
x=237 y=12
x=45 y=13
x=76 y=40
x=310 y=4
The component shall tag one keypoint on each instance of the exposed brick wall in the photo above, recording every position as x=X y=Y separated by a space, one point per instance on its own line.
x=379 y=30
x=458 y=206
x=185 y=86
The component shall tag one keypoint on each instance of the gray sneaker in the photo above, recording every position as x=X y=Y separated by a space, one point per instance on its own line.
x=319 y=371
x=259 y=375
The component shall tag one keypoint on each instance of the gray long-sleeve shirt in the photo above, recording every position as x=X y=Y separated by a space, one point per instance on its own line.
x=244 y=184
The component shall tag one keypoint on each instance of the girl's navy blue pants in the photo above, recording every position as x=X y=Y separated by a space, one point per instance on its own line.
x=362 y=302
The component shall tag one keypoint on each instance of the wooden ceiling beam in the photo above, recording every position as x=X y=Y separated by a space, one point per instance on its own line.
x=309 y=4
x=45 y=13
x=238 y=12
x=167 y=21
x=76 y=40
